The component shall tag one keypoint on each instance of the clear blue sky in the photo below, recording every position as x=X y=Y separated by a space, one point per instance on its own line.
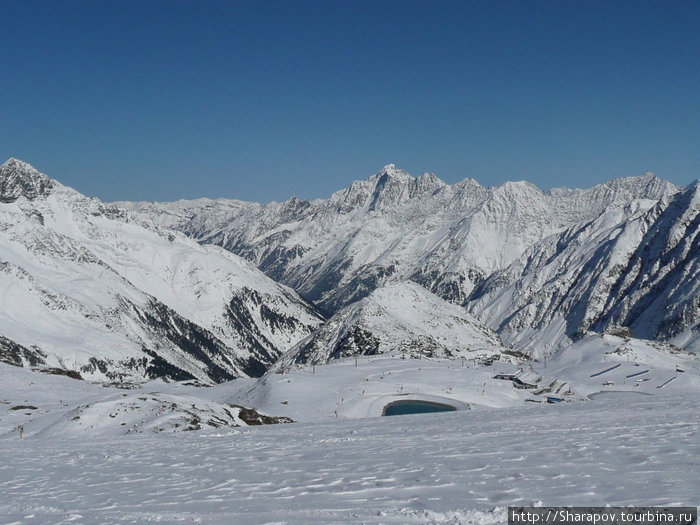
x=262 y=100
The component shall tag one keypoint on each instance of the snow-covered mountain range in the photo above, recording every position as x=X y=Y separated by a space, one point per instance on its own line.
x=538 y=267
x=394 y=227
x=425 y=283
x=92 y=288
x=117 y=292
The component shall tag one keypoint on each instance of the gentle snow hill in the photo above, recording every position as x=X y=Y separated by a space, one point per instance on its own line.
x=93 y=288
x=140 y=412
x=401 y=319
x=636 y=267
x=609 y=365
x=393 y=227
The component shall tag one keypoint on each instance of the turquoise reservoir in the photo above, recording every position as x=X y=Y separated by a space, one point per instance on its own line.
x=414 y=406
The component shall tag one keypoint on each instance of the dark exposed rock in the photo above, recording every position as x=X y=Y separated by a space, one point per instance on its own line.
x=61 y=372
x=252 y=417
x=16 y=354
x=19 y=179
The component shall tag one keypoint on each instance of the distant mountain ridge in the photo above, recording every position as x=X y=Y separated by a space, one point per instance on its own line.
x=394 y=227
x=114 y=292
x=92 y=288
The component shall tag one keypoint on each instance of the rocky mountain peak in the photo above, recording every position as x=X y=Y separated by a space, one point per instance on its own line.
x=20 y=179
x=428 y=182
x=391 y=173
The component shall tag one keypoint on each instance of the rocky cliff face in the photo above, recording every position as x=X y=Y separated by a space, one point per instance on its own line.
x=635 y=267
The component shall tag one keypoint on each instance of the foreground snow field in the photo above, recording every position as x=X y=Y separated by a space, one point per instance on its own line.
x=458 y=467
x=92 y=454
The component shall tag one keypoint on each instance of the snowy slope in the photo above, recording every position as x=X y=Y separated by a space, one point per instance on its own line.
x=393 y=227
x=401 y=319
x=354 y=388
x=606 y=365
x=636 y=267
x=468 y=466
x=362 y=387
x=397 y=471
x=660 y=287
x=89 y=287
x=65 y=407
